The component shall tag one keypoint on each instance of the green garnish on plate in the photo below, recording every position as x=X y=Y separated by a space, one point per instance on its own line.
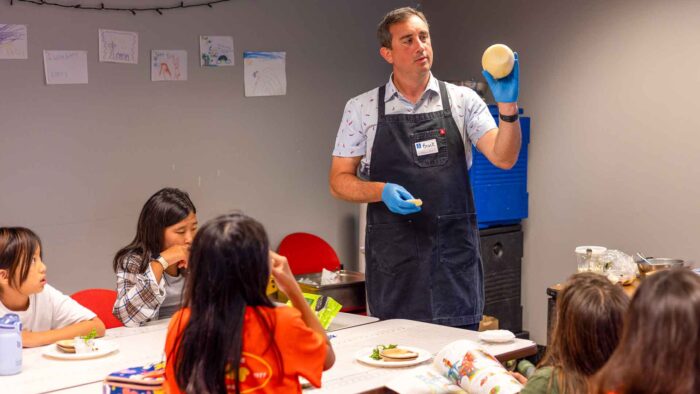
x=91 y=335
x=378 y=349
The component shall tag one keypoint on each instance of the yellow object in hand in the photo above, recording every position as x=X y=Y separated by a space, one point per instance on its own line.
x=498 y=60
x=417 y=201
x=271 y=286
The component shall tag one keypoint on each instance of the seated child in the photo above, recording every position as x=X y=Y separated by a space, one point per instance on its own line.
x=659 y=350
x=229 y=336
x=47 y=315
x=590 y=313
x=151 y=269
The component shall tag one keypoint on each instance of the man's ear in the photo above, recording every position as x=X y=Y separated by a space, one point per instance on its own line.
x=386 y=54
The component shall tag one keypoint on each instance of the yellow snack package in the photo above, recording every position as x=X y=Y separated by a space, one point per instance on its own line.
x=325 y=308
x=271 y=286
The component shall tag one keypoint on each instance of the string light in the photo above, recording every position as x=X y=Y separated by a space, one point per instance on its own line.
x=102 y=7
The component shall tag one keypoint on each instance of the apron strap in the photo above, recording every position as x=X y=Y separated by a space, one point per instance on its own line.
x=445 y=99
x=380 y=101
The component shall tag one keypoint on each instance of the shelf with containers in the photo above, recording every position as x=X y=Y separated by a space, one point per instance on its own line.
x=501 y=200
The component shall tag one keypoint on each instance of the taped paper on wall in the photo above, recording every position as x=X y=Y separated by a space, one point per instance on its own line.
x=265 y=73
x=13 y=41
x=167 y=65
x=119 y=46
x=65 y=67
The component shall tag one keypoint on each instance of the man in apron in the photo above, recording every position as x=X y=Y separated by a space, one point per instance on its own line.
x=423 y=260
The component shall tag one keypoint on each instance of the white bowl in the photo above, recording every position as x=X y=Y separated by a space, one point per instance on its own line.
x=496 y=336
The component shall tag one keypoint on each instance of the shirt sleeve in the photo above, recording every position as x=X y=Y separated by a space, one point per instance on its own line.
x=351 y=140
x=66 y=311
x=139 y=296
x=538 y=383
x=304 y=350
x=477 y=117
x=175 y=328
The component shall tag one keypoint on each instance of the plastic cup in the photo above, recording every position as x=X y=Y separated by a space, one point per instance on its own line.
x=588 y=257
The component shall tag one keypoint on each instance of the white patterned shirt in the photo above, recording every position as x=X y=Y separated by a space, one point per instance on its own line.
x=359 y=125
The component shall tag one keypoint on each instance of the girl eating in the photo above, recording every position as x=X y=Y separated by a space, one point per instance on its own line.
x=151 y=269
x=229 y=336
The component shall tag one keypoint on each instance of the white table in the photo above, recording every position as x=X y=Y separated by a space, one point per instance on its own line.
x=346 y=320
x=348 y=376
x=137 y=346
x=40 y=374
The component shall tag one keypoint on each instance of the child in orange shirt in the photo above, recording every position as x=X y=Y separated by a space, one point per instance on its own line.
x=230 y=337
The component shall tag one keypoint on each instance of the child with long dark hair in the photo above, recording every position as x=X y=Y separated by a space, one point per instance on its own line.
x=229 y=337
x=659 y=352
x=151 y=269
x=588 y=326
x=47 y=315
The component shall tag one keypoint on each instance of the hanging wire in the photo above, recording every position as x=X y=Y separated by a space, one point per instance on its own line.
x=102 y=7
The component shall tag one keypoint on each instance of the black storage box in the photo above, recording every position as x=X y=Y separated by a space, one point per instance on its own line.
x=501 y=254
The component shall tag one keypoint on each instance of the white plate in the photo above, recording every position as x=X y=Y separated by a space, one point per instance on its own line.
x=364 y=357
x=496 y=336
x=104 y=348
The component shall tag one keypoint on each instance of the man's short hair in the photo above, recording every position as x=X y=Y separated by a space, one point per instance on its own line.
x=395 y=16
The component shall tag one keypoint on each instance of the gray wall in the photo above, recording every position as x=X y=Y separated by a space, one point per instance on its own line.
x=612 y=90
x=77 y=162
x=610 y=86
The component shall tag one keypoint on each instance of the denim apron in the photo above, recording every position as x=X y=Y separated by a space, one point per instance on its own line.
x=424 y=266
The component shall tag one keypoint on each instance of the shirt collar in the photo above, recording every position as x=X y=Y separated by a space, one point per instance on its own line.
x=392 y=92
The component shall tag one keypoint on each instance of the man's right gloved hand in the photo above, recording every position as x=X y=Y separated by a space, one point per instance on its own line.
x=395 y=196
x=505 y=90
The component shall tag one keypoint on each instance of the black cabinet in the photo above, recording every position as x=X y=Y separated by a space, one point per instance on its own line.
x=501 y=254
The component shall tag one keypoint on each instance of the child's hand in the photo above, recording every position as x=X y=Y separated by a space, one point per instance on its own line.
x=279 y=267
x=177 y=255
x=520 y=378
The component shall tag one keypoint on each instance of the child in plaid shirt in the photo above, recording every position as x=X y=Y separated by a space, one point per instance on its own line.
x=150 y=270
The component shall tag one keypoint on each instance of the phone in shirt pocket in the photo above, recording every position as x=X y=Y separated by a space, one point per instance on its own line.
x=430 y=148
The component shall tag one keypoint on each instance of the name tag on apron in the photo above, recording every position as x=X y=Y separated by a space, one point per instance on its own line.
x=426 y=147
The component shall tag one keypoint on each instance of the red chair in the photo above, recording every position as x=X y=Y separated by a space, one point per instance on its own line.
x=308 y=253
x=100 y=301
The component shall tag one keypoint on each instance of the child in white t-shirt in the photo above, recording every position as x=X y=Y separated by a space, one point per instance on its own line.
x=47 y=315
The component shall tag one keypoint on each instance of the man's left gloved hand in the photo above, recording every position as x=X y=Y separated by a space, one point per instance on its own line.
x=505 y=90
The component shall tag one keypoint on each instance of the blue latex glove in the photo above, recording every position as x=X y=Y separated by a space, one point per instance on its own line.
x=505 y=90
x=395 y=196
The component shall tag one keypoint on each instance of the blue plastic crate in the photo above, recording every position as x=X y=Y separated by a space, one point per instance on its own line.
x=500 y=195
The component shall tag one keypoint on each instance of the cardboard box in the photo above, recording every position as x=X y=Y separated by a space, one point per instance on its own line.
x=488 y=323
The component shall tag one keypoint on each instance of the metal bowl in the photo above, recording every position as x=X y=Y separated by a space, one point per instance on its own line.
x=658 y=264
x=349 y=291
